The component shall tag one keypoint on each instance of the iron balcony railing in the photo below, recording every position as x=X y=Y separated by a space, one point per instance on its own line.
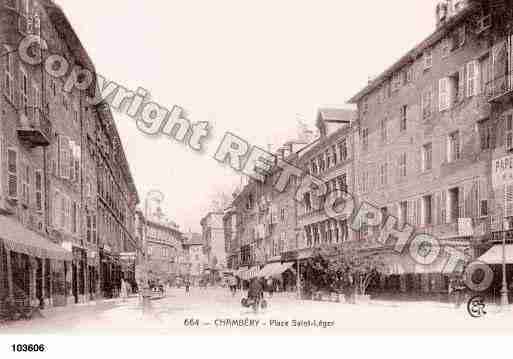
x=34 y=126
x=506 y=235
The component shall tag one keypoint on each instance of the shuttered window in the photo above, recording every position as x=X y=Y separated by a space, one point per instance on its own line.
x=508 y=200
x=8 y=73
x=472 y=78
x=39 y=190
x=444 y=98
x=12 y=173
x=24 y=91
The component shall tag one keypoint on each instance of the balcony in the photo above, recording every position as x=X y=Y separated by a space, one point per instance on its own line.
x=499 y=89
x=34 y=127
x=506 y=235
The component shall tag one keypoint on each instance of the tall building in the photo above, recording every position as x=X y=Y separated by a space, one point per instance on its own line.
x=213 y=239
x=56 y=152
x=164 y=246
x=429 y=127
x=193 y=247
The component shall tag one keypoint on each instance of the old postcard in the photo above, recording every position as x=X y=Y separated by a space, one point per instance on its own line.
x=241 y=167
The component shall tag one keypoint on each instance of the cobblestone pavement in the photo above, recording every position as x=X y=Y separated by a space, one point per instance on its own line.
x=216 y=311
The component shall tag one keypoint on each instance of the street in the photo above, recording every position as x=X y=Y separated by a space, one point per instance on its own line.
x=215 y=310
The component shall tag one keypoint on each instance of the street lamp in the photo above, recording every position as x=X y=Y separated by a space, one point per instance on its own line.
x=504 y=290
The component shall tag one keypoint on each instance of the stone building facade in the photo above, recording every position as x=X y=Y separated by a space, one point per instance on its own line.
x=164 y=246
x=49 y=159
x=428 y=130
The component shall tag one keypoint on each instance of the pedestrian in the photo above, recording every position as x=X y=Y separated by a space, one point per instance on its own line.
x=187 y=285
x=123 y=290
x=270 y=286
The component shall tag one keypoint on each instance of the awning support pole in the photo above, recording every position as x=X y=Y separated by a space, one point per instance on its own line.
x=9 y=273
x=298 y=280
x=504 y=290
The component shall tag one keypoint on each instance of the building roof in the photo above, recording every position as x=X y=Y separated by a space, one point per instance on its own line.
x=192 y=239
x=336 y=114
x=417 y=51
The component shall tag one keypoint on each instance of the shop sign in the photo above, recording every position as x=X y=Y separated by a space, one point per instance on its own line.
x=502 y=171
x=289 y=256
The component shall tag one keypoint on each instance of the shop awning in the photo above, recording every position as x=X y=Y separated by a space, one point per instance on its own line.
x=20 y=239
x=275 y=269
x=249 y=274
x=494 y=255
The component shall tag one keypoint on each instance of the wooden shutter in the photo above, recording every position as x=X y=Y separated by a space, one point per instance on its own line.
x=461 y=202
x=462 y=80
x=64 y=156
x=12 y=173
x=443 y=207
x=39 y=190
x=508 y=200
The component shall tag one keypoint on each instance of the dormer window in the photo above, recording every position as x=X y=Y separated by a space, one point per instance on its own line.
x=428 y=60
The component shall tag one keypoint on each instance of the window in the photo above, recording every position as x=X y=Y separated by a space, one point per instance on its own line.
x=472 y=78
x=25 y=186
x=485 y=134
x=342 y=183
x=427 y=210
x=282 y=214
x=342 y=147
x=39 y=190
x=365 y=138
x=334 y=154
x=458 y=37
x=322 y=164
x=24 y=91
x=365 y=105
x=308 y=202
x=457 y=88
x=74 y=217
x=12 y=170
x=402 y=164
x=150 y=250
x=483 y=208
x=427 y=99
x=8 y=78
x=427 y=157
x=484 y=72
x=444 y=102
x=383 y=174
x=403 y=212
x=454 y=147
x=383 y=129
x=446 y=47
x=314 y=166
x=328 y=159
x=409 y=76
x=428 y=60
x=88 y=228
x=164 y=252
x=308 y=232
x=403 y=118
x=454 y=204
x=509 y=132
x=396 y=82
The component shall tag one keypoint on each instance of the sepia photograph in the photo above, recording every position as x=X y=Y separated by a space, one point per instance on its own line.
x=263 y=168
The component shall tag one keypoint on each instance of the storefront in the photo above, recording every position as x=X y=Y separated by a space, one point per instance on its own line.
x=30 y=266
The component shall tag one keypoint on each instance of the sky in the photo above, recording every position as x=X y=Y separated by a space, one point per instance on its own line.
x=249 y=67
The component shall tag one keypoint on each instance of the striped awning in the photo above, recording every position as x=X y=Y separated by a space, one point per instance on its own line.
x=20 y=239
x=249 y=274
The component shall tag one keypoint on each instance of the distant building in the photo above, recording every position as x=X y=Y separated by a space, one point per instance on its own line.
x=213 y=238
x=197 y=259
x=163 y=249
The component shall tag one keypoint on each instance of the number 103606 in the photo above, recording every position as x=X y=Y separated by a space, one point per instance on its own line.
x=23 y=348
